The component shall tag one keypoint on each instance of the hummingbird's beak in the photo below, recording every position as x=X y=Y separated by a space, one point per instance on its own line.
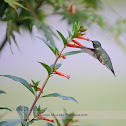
x=90 y=40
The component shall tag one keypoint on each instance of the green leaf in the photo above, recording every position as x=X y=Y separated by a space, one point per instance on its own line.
x=11 y=27
x=46 y=67
x=48 y=44
x=78 y=25
x=14 y=4
x=39 y=108
x=60 y=96
x=41 y=111
x=63 y=38
x=49 y=124
x=22 y=81
x=56 y=51
x=72 y=53
x=68 y=118
x=11 y=123
x=22 y=112
x=57 y=66
x=35 y=85
x=1 y=92
x=2 y=123
x=38 y=111
x=60 y=2
x=48 y=34
x=19 y=5
x=70 y=34
x=24 y=123
x=11 y=14
x=57 y=121
x=35 y=111
x=82 y=29
x=5 y=108
x=75 y=28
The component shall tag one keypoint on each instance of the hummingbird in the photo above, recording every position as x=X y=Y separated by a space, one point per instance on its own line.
x=99 y=53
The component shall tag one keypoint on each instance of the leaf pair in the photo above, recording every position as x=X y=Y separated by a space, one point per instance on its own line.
x=56 y=51
x=49 y=68
x=63 y=38
x=52 y=48
x=22 y=112
x=22 y=81
x=77 y=29
x=38 y=111
x=26 y=84
x=35 y=84
x=14 y=4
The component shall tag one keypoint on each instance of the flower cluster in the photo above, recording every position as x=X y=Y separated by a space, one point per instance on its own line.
x=75 y=45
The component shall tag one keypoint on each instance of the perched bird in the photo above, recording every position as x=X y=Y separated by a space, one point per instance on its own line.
x=99 y=53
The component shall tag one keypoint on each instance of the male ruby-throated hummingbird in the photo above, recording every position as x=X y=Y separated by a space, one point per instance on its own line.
x=99 y=53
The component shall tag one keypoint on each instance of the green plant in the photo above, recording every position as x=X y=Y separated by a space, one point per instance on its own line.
x=24 y=112
x=3 y=108
x=18 y=14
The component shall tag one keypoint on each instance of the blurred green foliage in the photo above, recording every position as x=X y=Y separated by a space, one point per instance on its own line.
x=28 y=13
x=67 y=119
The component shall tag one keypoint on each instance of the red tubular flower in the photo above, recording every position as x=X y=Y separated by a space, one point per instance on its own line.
x=64 y=75
x=81 y=37
x=37 y=87
x=76 y=42
x=72 y=45
x=43 y=118
x=83 y=33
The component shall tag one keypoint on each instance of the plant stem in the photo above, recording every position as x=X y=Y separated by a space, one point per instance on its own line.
x=57 y=58
x=31 y=10
x=37 y=97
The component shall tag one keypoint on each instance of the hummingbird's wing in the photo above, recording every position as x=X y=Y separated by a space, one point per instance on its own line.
x=105 y=60
x=101 y=55
x=90 y=51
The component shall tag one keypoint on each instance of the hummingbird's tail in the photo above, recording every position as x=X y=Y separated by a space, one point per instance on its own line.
x=113 y=72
